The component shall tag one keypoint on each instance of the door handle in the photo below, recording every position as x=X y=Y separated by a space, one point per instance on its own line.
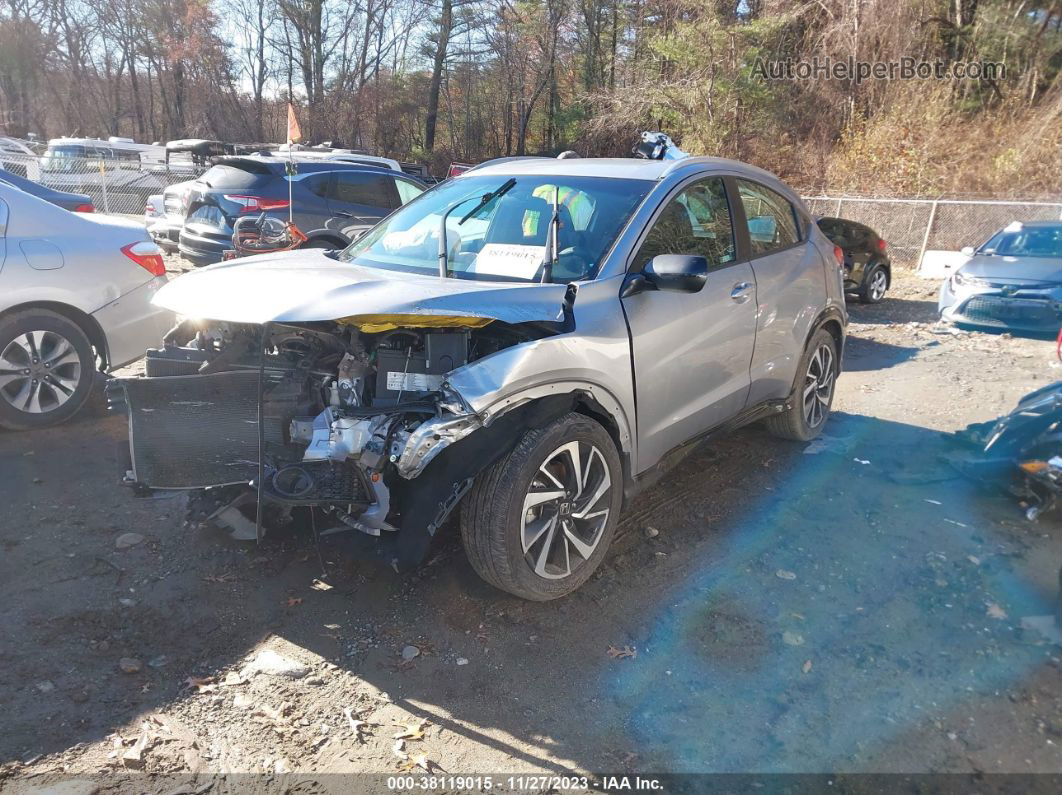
x=740 y=293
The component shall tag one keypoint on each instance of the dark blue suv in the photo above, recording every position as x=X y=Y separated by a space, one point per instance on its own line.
x=332 y=200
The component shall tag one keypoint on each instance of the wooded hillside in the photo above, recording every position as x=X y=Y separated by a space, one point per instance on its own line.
x=464 y=80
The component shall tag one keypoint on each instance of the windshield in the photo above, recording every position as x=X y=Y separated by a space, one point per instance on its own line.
x=1026 y=241
x=505 y=238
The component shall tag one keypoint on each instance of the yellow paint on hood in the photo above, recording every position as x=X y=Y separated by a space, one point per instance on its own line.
x=374 y=324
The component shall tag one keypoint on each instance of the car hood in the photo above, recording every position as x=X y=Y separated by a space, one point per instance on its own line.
x=1014 y=270
x=305 y=286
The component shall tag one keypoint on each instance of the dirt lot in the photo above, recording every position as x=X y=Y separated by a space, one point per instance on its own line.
x=851 y=605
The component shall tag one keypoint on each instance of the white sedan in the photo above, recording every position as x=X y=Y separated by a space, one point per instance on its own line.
x=75 y=296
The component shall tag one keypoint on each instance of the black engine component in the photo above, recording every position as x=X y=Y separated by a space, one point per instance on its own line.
x=411 y=372
x=173 y=361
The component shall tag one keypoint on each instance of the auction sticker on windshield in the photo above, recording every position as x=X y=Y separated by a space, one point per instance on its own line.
x=510 y=259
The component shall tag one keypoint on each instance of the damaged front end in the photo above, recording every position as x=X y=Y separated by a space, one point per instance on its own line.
x=348 y=421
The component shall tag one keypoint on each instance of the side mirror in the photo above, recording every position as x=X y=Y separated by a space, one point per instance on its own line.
x=680 y=273
x=967 y=251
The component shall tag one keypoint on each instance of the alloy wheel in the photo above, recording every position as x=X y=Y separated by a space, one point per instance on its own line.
x=879 y=283
x=818 y=386
x=566 y=510
x=39 y=371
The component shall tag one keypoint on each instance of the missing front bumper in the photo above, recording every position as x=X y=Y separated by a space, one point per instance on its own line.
x=193 y=431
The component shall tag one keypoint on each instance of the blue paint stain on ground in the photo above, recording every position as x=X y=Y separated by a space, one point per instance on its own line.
x=885 y=624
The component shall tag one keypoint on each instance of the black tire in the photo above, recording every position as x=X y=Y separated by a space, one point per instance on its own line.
x=321 y=243
x=793 y=423
x=67 y=387
x=875 y=283
x=494 y=512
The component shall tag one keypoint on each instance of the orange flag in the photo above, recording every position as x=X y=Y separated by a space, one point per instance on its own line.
x=294 y=133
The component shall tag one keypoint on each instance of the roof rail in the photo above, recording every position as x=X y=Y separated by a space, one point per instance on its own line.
x=496 y=160
x=703 y=160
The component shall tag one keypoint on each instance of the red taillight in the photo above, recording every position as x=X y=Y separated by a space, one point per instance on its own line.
x=149 y=209
x=147 y=255
x=838 y=254
x=881 y=244
x=85 y=208
x=256 y=204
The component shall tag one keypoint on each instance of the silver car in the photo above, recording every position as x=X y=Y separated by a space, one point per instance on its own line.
x=527 y=343
x=1013 y=281
x=75 y=296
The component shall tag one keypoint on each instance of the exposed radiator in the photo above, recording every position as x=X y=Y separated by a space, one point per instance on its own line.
x=193 y=431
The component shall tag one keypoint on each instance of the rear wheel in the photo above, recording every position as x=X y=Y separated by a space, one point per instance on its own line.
x=539 y=522
x=875 y=284
x=812 y=397
x=46 y=369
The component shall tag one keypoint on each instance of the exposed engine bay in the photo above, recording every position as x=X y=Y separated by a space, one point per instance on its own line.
x=340 y=417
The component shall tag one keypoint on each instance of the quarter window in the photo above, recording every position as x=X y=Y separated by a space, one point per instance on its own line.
x=771 y=219
x=407 y=191
x=696 y=222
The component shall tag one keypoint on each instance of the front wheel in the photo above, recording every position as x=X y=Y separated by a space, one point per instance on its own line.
x=812 y=397
x=46 y=369
x=539 y=522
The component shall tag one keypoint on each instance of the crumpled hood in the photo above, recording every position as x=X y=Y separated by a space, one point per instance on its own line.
x=1014 y=270
x=305 y=286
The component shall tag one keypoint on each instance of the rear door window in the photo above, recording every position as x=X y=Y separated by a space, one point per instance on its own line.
x=367 y=190
x=771 y=219
x=318 y=184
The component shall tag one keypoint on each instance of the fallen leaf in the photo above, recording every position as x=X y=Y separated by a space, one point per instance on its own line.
x=782 y=574
x=320 y=585
x=202 y=684
x=412 y=731
x=422 y=761
x=806 y=668
x=621 y=654
x=356 y=726
x=995 y=611
x=294 y=600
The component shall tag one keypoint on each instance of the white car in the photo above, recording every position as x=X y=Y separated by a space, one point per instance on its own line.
x=75 y=296
x=164 y=215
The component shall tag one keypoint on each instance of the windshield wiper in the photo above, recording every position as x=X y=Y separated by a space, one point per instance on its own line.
x=444 y=256
x=549 y=256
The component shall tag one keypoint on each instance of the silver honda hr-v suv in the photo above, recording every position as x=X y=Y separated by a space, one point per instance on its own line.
x=524 y=344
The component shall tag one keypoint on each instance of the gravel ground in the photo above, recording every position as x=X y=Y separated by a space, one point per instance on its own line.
x=847 y=606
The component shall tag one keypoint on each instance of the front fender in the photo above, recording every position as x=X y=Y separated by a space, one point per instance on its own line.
x=518 y=375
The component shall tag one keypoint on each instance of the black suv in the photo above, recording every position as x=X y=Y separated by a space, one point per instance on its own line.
x=333 y=201
x=867 y=267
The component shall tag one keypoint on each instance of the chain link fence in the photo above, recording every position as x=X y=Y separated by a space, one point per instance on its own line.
x=118 y=182
x=115 y=186
x=911 y=227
